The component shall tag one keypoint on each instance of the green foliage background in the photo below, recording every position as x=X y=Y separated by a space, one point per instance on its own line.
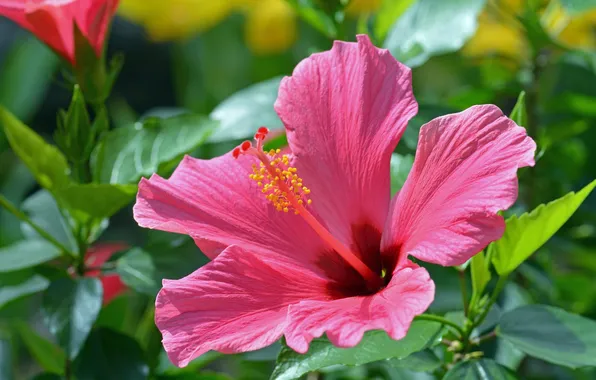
x=539 y=290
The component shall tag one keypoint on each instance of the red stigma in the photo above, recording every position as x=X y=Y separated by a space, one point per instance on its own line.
x=246 y=145
x=263 y=131
x=236 y=153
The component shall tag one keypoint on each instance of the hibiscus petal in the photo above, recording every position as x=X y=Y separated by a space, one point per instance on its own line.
x=53 y=25
x=215 y=202
x=236 y=303
x=345 y=320
x=344 y=112
x=463 y=174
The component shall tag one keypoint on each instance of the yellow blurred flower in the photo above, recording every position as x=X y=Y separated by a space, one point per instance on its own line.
x=175 y=19
x=271 y=25
x=500 y=32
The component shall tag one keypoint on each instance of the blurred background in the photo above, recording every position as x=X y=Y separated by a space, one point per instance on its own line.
x=224 y=59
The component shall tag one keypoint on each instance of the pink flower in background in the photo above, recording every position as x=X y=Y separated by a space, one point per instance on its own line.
x=53 y=21
x=311 y=242
x=96 y=257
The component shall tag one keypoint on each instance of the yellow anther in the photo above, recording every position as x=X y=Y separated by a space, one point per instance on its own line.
x=309 y=201
x=286 y=209
x=277 y=150
x=259 y=184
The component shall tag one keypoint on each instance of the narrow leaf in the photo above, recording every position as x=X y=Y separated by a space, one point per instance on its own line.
x=541 y=224
x=45 y=161
x=11 y=289
x=25 y=254
x=480 y=275
x=50 y=357
x=519 y=113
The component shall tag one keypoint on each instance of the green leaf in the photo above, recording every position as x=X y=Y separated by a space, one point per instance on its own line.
x=27 y=72
x=421 y=361
x=432 y=27
x=43 y=211
x=578 y=6
x=311 y=12
x=69 y=309
x=400 y=168
x=144 y=269
x=480 y=275
x=137 y=271
x=551 y=334
x=48 y=376
x=125 y=155
x=243 y=113
x=543 y=222
x=17 y=285
x=25 y=254
x=375 y=345
x=45 y=161
x=50 y=357
x=89 y=201
x=6 y=358
x=388 y=13
x=519 y=113
x=111 y=355
x=483 y=369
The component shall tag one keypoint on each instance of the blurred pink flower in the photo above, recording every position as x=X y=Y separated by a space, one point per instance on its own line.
x=310 y=242
x=53 y=21
x=96 y=257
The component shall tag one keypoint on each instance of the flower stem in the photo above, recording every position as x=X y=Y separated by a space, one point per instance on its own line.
x=5 y=203
x=464 y=291
x=443 y=321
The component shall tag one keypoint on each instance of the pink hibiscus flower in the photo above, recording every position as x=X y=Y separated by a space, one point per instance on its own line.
x=310 y=242
x=52 y=21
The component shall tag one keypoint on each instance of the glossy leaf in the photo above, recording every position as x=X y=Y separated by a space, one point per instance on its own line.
x=483 y=369
x=541 y=224
x=45 y=161
x=400 y=168
x=480 y=275
x=25 y=254
x=20 y=284
x=432 y=27
x=111 y=355
x=375 y=345
x=421 y=361
x=43 y=211
x=551 y=334
x=50 y=357
x=107 y=199
x=69 y=309
x=126 y=154
x=244 y=112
